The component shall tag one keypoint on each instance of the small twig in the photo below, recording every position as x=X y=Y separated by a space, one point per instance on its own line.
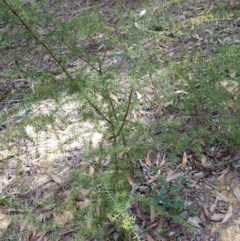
x=126 y=113
x=83 y=59
x=99 y=112
x=100 y=62
x=113 y=108
x=228 y=162
x=115 y=136
x=19 y=80
x=9 y=102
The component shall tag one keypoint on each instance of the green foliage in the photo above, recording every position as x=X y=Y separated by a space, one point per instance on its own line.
x=110 y=198
x=6 y=201
x=168 y=196
x=163 y=230
x=145 y=203
x=212 y=87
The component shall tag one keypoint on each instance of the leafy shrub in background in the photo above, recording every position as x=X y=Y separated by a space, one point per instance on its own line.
x=213 y=93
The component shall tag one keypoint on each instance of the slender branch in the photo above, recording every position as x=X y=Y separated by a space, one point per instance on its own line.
x=113 y=108
x=100 y=62
x=126 y=113
x=115 y=136
x=25 y=24
x=99 y=111
x=83 y=59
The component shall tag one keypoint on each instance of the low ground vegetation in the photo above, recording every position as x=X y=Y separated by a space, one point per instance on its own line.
x=119 y=119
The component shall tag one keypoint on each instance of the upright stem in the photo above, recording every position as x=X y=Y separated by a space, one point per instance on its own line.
x=115 y=136
x=126 y=113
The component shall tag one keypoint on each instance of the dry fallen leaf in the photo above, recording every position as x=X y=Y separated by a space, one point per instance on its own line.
x=228 y=214
x=4 y=222
x=222 y=197
x=63 y=217
x=173 y=176
x=214 y=229
x=152 y=213
x=42 y=168
x=216 y=217
x=202 y=142
x=183 y=92
x=26 y=237
x=139 y=96
x=230 y=85
x=91 y=170
x=149 y=238
x=82 y=204
x=158 y=159
x=34 y=233
x=191 y=76
x=184 y=160
x=82 y=194
x=213 y=217
x=163 y=161
x=223 y=173
x=159 y=109
x=23 y=225
x=196 y=36
x=204 y=161
x=195 y=221
x=131 y=181
x=194 y=183
x=83 y=165
x=232 y=74
x=205 y=210
x=148 y=161
x=236 y=192
x=42 y=236
x=41 y=217
x=114 y=97
x=153 y=178
x=149 y=97
x=213 y=207
x=152 y=225
x=84 y=191
x=98 y=211
x=56 y=179
x=45 y=238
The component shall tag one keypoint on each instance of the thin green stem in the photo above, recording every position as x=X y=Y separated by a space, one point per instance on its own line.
x=126 y=113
